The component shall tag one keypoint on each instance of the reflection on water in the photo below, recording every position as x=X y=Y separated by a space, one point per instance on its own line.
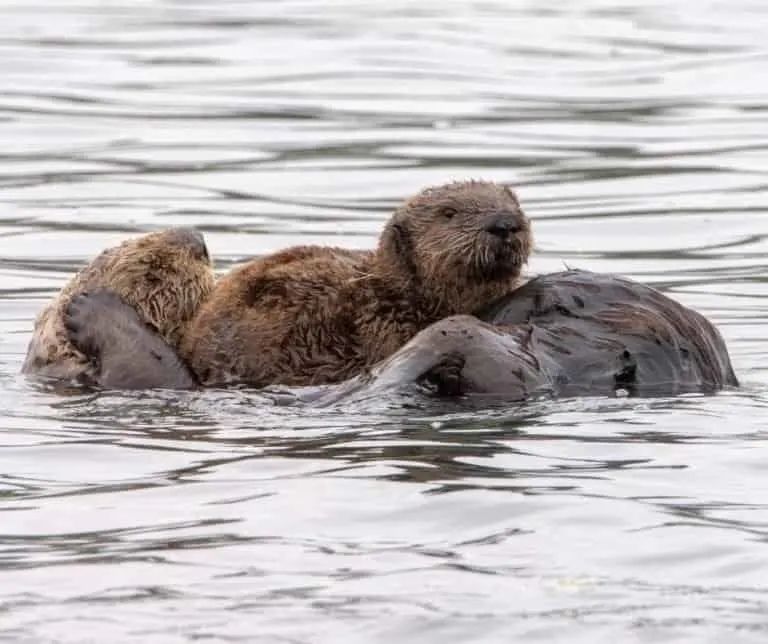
x=636 y=135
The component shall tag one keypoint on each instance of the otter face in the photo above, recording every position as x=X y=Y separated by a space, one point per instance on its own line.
x=470 y=232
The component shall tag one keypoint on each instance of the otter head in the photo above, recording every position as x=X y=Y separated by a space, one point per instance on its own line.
x=461 y=244
x=165 y=275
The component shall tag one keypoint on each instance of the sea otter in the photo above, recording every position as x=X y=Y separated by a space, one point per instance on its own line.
x=164 y=275
x=566 y=334
x=314 y=315
x=563 y=334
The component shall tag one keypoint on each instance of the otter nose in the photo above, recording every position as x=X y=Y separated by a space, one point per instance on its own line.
x=502 y=226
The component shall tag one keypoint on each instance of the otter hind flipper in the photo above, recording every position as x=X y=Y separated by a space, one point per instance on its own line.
x=126 y=352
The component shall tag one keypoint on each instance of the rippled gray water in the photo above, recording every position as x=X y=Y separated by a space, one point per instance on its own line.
x=637 y=133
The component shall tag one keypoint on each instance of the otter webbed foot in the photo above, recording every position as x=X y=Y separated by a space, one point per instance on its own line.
x=125 y=352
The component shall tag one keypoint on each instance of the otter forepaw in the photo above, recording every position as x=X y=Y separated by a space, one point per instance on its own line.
x=84 y=316
x=127 y=353
x=78 y=320
x=446 y=375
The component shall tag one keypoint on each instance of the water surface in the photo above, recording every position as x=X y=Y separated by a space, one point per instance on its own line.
x=637 y=136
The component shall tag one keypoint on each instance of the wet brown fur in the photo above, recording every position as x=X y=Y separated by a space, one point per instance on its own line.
x=315 y=315
x=164 y=275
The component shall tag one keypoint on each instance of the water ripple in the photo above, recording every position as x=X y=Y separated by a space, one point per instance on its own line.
x=635 y=133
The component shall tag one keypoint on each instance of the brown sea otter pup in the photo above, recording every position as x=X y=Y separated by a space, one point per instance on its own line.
x=164 y=276
x=566 y=334
x=314 y=315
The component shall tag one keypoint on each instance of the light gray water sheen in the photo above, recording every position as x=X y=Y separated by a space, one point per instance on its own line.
x=637 y=134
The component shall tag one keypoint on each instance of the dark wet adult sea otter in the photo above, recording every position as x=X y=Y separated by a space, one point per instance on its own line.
x=573 y=333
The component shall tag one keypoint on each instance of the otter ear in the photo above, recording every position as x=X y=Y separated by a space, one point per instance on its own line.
x=396 y=245
x=393 y=239
x=510 y=191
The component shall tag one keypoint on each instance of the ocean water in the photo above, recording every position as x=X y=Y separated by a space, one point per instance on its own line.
x=636 y=133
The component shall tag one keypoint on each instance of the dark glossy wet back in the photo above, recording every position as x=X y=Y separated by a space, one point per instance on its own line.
x=607 y=332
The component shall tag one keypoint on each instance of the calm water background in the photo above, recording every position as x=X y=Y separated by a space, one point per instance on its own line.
x=637 y=134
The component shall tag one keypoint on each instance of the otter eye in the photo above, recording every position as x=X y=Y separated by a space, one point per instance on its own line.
x=448 y=212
